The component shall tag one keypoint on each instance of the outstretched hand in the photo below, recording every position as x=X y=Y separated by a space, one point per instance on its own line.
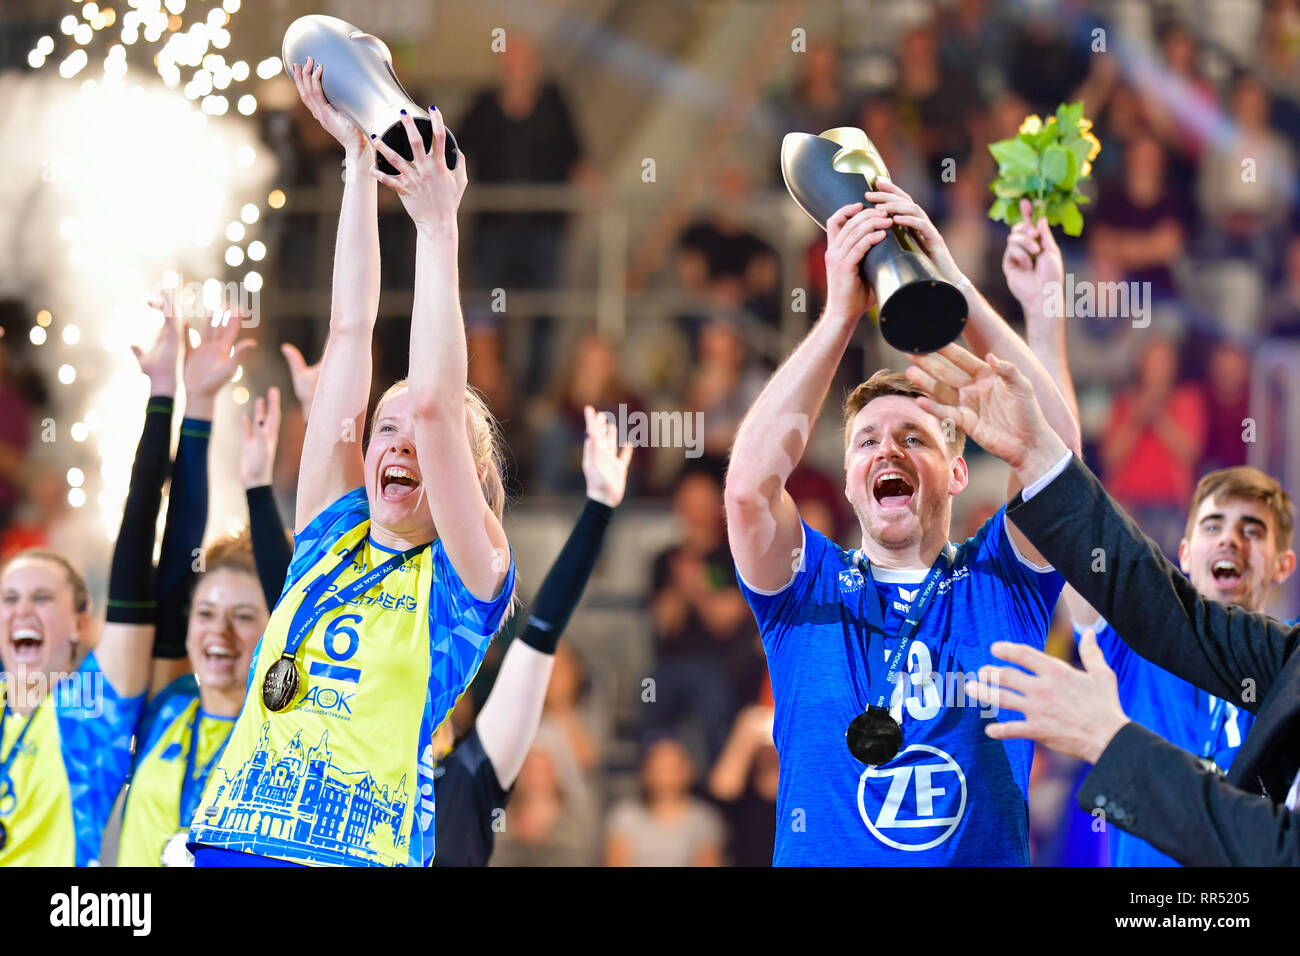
x=1031 y=261
x=603 y=464
x=159 y=362
x=1075 y=712
x=261 y=438
x=890 y=200
x=304 y=377
x=992 y=402
x=212 y=363
x=428 y=189
x=306 y=78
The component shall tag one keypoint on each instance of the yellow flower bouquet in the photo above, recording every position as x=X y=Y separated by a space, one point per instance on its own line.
x=1045 y=162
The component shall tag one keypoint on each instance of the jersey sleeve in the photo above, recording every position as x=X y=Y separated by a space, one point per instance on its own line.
x=1029 y=592
x=478 y=618
x=158 y=713
x=1114 y=650
x=776 y=611
x=96 y=724
x=334 y=521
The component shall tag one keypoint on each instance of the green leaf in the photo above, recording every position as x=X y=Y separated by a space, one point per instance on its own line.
x=1046 y=136
x=1071 y=219
x=1068 y=116
x=1080 y=147
x=1010 y=188
x=1072 y=173
x=1056 y=165
x=998 y=211
x=1013 y=155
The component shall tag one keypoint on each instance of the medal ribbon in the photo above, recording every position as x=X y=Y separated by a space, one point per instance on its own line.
x=309 y=612
x=1216 y=726
x=190 y=794
x=881 y=688
x=6 y=785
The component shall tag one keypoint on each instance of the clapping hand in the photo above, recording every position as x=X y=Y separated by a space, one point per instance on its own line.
x=603 y=464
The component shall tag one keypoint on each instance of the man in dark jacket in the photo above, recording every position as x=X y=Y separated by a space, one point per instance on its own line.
x=1140 y=783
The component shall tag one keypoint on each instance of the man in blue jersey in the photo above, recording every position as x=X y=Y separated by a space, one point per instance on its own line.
x=838 y=626
x=1237 y=548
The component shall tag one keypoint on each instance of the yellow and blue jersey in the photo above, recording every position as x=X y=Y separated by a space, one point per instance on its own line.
x=67 y=770
x=344 y=774
x=153 y=798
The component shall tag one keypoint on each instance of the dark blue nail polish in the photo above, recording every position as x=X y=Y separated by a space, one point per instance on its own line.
x=372 y=135
x=433 y=109
x=403 y=112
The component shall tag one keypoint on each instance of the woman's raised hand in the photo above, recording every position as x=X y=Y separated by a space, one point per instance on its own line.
x=306 y=78
x=212 y=363
x=159 y=362
x=428 y=189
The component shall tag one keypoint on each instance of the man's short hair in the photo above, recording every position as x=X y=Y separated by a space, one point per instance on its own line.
x=884 y=383
x=1246 y=482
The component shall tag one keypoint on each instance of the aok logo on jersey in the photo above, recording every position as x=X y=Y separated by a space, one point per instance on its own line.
x=341 y=642
x=916 y=801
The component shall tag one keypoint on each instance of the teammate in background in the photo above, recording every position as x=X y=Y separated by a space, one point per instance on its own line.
x=401 y=571
x=1236 y=549
x=941 y=795
x=65 y=741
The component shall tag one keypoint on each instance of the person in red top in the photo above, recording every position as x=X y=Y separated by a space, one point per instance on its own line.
x=1153 y=443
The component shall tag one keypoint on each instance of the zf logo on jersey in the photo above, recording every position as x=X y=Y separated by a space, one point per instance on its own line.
x=914 y=802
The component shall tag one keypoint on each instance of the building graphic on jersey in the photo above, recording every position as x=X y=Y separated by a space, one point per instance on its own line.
x=300 y=806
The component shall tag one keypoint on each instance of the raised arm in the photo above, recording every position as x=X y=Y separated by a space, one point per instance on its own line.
x=987 y=332
x=470 y=532
x=331 y=449
x=509 y=720
x=208 y=367
x=763 y=523
x=123 y=652
x=271 y=549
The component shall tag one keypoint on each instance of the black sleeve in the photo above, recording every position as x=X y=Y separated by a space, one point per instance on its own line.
x=131 y=595
x=271 y=549
x=1148 y=787
x=562 y=588
x=1078 y=527
x=187 y=516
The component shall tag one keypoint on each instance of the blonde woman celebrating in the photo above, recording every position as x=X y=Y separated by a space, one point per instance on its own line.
x=401 y=572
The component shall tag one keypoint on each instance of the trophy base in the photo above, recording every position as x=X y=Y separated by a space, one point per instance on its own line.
x=923 y=316
x=395 y=138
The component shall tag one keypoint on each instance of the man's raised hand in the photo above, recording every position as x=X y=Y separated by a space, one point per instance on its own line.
x=1031 y=261
x=850 y=234
x=992 y=402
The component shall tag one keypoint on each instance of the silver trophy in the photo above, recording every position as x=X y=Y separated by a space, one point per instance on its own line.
x=358 y=80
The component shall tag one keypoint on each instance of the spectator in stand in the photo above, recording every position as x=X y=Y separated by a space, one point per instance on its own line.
x=1138 y=231
x=934 y=106
x=723 y=384
x=1246 y=182
x=666 y=826
x=1283 y=316
x=744 y=781
x=818 y=101
x=725 y=264
x=702 y=628
x=1278 y=63
x=563 y=714
x=1227 y=406
x=592 y=377
x=15 y=420
x=1154 y=442
x=550 y=820
x=1182 y=129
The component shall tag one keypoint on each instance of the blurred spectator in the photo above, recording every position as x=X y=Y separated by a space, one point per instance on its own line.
x=550 y=820
x=1227 y=405
x=1283 y=317
x=591 y=378
x=1178 y=117
x=820 y=499
x=42 y=519
x=723 y=385
x=1048 y=59
x=1138 y=230
x=818 y=101
x=934 y=106
x=1246 y=182
x=520 y=132
x=15 y=421
x=702 y=626
x=666 y=826
x=1279 y=49
x=722 y=261
x=744 y=781
x=972 y=44
x=487 y=368
x=1154 y=442
x=562 y=713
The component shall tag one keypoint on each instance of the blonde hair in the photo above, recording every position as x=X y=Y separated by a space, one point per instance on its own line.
x=484 y=443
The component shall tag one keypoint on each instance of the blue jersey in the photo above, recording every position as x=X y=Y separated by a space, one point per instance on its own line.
x=1176 y=710
x=952 y=795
